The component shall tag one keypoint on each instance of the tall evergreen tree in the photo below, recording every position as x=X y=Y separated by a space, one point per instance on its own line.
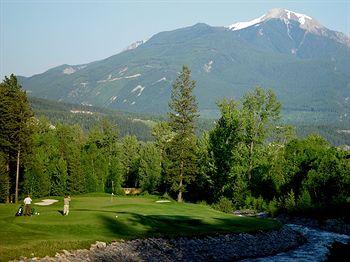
x=4 y=179
x=15 y=126
x=182 y=118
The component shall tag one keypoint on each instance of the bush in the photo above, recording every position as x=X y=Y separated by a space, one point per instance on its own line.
x=167 y=196
x=272 y=207
x=257 y=204
x=224 y=205
x=145 y=194
x=304 y=202
x=202 y=202
x=290 y=202
x=119 y=191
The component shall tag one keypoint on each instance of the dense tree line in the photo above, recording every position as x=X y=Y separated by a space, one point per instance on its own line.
x=140 y=125
x=248 y=160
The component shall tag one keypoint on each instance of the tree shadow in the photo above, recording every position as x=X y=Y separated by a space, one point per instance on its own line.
x=138 y=225
x=61 y=212
x=97 y=210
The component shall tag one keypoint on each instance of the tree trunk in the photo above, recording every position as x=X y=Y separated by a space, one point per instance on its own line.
x=17 y=176
x=8 y=171
x=179 y=196
x=250 y=161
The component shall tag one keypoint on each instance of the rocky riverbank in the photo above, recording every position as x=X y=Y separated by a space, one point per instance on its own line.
x=213 y=248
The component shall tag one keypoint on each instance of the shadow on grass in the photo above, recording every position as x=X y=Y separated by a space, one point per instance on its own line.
x=97 y=210
x=174 y=226
x=60 y=211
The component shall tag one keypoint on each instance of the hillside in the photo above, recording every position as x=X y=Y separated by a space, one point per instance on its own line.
x=88 y=116
x=306 y=64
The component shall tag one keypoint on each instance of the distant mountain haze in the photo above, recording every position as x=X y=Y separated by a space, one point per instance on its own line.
x=306 y=64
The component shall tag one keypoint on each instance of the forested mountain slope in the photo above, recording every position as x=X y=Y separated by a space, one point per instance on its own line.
x=306 y=64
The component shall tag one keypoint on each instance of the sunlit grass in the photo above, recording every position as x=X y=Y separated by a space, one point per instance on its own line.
x=97 y=217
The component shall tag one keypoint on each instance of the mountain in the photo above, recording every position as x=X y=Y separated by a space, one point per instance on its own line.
x=306 y=64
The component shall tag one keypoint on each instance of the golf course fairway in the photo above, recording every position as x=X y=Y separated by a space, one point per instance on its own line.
x=97 y=217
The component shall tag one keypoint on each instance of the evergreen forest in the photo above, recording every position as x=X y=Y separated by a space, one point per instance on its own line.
x=248 y=158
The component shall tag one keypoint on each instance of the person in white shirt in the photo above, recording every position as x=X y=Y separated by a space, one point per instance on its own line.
x=66 y=201
x=27 y=202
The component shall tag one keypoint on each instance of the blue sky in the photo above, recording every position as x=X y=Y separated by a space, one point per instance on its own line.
x=38 y=35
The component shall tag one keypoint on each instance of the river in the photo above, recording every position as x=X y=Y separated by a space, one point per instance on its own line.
x=316 y=248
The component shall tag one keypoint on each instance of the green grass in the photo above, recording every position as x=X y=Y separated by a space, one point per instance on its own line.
x=93 y=217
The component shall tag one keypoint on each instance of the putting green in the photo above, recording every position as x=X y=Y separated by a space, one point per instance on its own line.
x=98 y=217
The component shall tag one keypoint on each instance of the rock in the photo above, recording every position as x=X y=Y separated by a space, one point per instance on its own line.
x=213 y=248
x=98 y=245
x=65 y=252
x=262 y=215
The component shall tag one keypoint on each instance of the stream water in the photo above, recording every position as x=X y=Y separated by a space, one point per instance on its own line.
x=316 y=248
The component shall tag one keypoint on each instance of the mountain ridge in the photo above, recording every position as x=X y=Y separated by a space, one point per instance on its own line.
x=309 y=72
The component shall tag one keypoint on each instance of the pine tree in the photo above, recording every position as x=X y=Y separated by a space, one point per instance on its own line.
x=4 y=179
x=15 y=126
x=182 y=117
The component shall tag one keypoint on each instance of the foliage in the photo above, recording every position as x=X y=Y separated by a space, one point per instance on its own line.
x=15 y=127
x=290 y=203
x=304 y=201
x=150 y=168
x=257 y=204
x=223 y=141
x=4 y=179
x=182 y=118
x=248 y=160
x=131 y=160
x=273 y=207
x=224 y=205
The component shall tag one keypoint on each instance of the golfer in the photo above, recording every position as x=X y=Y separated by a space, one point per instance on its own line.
x=27 y=202
x=66 y=201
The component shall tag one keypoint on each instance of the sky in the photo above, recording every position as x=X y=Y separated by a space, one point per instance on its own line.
x=38 y=35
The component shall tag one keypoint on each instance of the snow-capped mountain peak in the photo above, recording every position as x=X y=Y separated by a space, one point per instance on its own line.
x=305 y=21
x=279 y=13
x=241 y=25
x=135 y=45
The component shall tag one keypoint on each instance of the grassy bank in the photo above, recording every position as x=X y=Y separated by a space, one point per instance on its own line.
x=97 y=217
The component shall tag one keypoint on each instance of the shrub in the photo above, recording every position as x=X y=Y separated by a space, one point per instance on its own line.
x=202 y=202
x=290 y=202
x=167 y=196
x=257 y=204
x=272 y=207
x=304 y=201
x=119 y=191
x=224 y=205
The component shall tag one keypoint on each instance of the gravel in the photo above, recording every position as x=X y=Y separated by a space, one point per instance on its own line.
x=211 y=248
